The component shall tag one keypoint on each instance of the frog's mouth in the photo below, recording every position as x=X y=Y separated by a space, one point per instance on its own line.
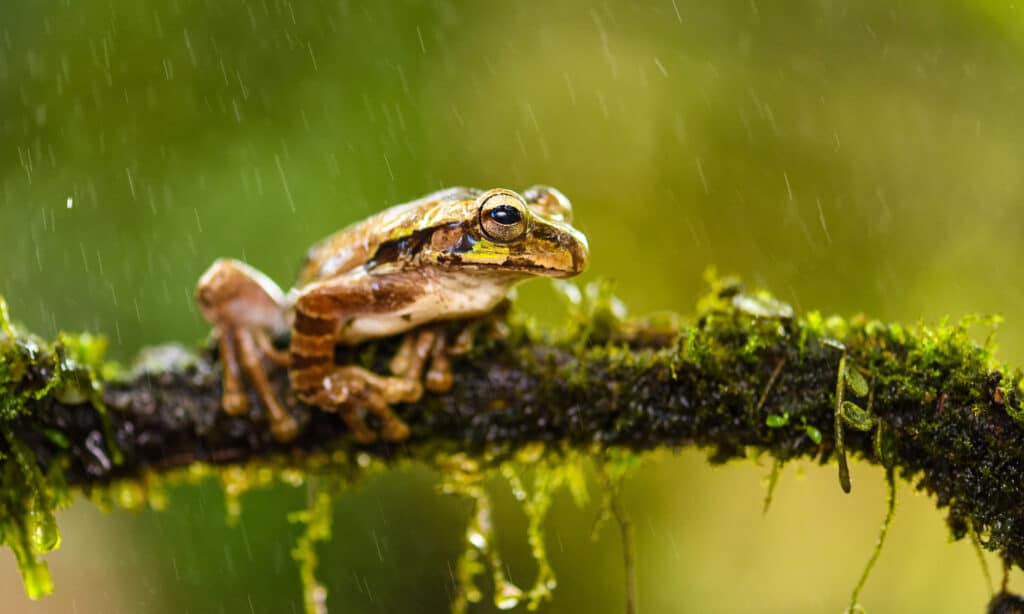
x=559 y=249
x=549 y=249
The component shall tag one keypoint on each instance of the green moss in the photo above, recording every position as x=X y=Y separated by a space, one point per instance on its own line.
x=317 y=520
x=325 y=475
x=30 y=371
x=465 y=476
x=27 y=522
x=534 y=474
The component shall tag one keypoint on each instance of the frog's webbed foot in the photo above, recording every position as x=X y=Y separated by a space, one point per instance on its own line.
x=243 y=305
x=349 y=389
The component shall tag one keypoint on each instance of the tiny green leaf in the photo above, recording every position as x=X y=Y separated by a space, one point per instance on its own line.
x=775 y=421
x=856 y=381
x=856 y=417
x=55 y=437
x=813 y=433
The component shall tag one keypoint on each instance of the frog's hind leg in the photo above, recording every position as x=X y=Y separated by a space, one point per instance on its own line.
x=243 y=305
x=374 y=393
x=267 y=349
x=233 y=398
x=349 y=389
x=282 y=424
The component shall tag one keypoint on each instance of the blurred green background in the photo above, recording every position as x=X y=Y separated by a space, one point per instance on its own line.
x=861 y=156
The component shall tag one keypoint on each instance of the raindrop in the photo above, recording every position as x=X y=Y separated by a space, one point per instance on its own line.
x=508 y=596
x=43 y=530
x=476 y=538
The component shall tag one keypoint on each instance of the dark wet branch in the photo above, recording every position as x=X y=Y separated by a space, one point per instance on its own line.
x=745 y=377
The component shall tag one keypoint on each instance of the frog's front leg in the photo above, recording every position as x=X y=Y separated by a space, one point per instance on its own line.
x=245 y=306
x=433 y=343
x=427 y=343
x=322 y=309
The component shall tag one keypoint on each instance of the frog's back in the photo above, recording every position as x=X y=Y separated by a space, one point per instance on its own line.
x=355 y=245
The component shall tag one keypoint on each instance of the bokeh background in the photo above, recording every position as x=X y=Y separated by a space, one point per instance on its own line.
x=850 y=156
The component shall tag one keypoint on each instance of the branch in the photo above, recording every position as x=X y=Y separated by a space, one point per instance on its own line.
x=748 y=376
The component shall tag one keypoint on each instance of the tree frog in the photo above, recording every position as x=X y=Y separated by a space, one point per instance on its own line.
x=452 y=254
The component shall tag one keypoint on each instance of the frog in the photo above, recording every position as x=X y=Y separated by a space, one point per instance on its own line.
x=452 y=255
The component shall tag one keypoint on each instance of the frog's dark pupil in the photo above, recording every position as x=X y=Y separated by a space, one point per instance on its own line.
x=505 y=214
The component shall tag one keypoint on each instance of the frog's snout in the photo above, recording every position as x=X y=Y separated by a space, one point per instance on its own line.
x=580 y=250
x=570 y=255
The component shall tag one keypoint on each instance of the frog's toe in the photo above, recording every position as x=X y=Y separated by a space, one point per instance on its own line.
x=408 y=360
x=499 y=330
x=235 y=402
x=350 y=388
x=464 y=341
x=284 y=429
x=402 y=390
x=439 y=375
x=361 y=433
x=394 y=429
x=439 y=381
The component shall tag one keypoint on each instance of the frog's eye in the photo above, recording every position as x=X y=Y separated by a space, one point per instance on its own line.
x=503 y=217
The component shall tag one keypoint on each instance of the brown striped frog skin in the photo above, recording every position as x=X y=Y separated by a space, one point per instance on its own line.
x=453 y=254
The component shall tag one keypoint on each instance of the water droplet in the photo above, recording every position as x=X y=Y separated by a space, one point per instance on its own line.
x=43 y=530
x=507 y=596
x=128 y=494
x=318 y=598
x=476 y=538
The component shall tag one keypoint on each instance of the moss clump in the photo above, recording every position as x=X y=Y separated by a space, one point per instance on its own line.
x=32 y=374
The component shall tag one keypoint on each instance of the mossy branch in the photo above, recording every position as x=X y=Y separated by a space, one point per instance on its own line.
x=747 y=376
